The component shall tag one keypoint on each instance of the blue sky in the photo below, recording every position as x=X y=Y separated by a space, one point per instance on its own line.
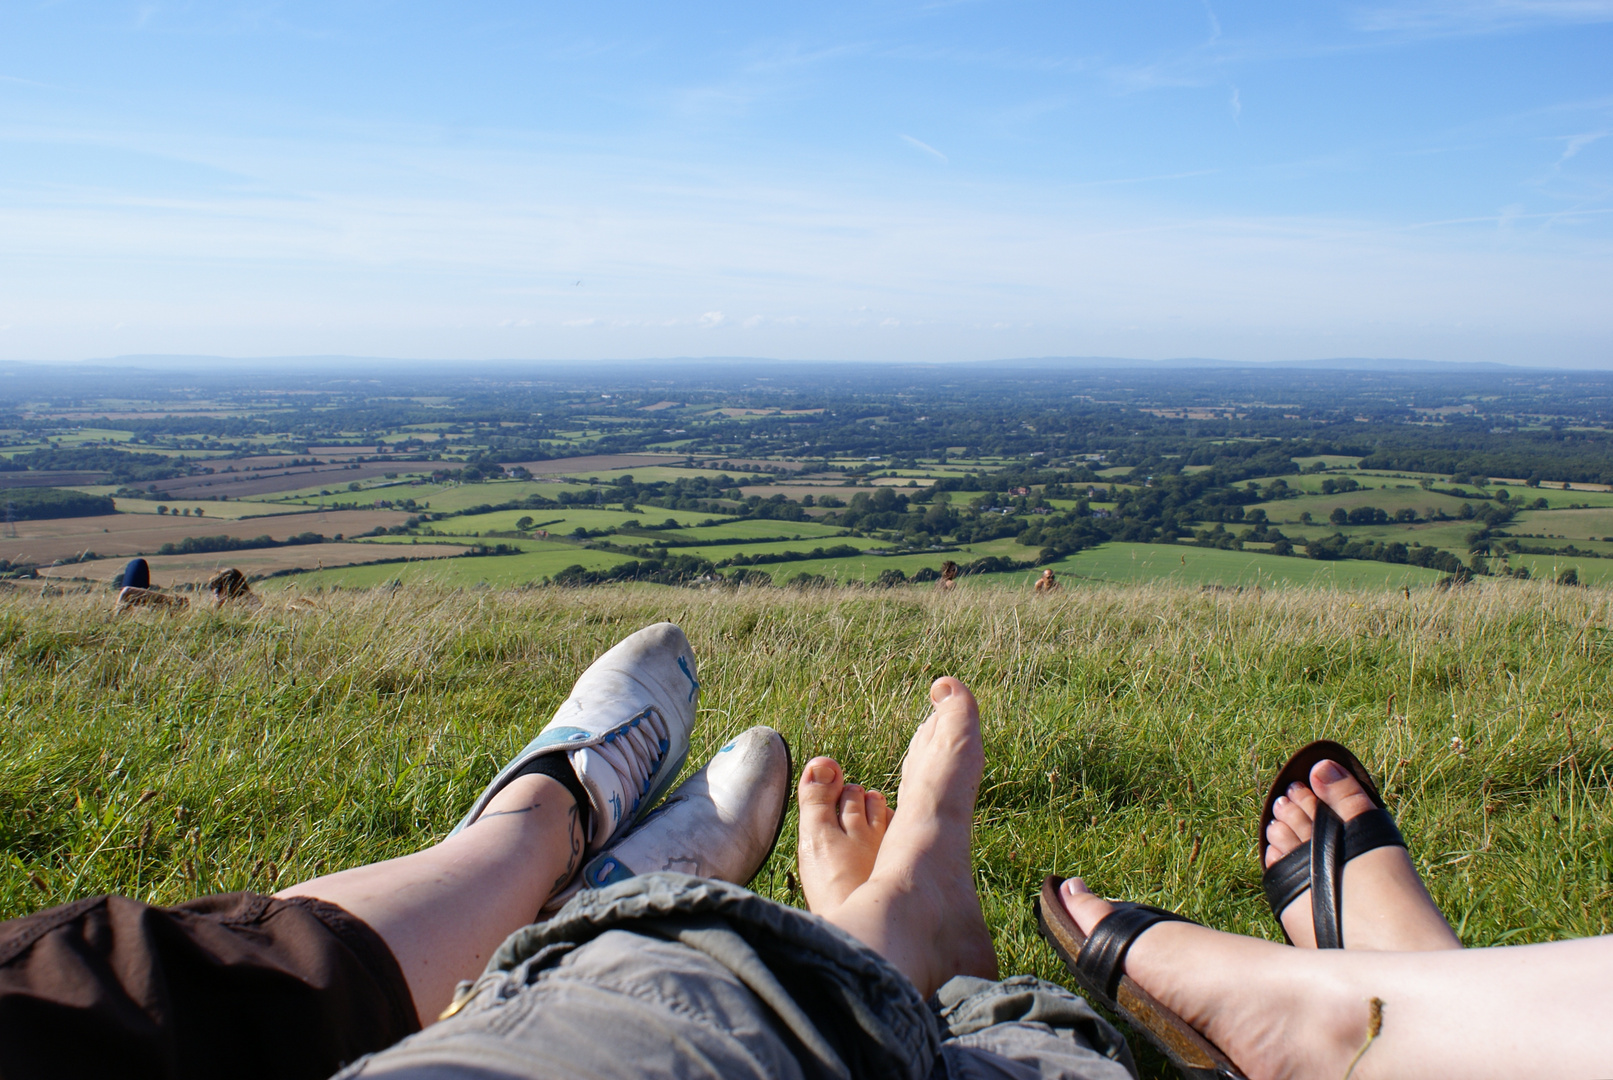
x=902 y=181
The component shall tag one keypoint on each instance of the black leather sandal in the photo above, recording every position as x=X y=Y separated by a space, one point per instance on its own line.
x=1318 y=864
x=1098 y=965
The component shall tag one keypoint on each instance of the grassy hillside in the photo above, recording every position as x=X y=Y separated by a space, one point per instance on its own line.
x=1130 y=731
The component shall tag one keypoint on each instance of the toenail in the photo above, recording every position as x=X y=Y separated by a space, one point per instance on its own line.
x=940 y=690
x=820 y=774
x=1329 y=773
x=1282 y=801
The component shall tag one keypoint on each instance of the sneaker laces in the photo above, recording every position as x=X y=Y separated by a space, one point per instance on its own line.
x=636 y=753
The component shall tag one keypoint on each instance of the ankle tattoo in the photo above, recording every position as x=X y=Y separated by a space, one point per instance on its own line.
x=503 y=813
x=574 y=836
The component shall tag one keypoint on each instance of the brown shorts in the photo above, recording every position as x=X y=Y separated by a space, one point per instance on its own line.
x=238 y=985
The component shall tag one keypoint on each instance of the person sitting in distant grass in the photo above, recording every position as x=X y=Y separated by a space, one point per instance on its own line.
x=949 y=576
x=1047 y=582
x=134 y=589
x=231 y=587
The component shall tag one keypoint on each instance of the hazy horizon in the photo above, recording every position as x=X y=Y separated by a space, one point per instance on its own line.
x=263 y=364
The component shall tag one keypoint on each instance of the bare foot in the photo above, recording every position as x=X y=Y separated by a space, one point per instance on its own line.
x=1386 y=906
x=842 y=826
x=918 y=908
x=1267 y=1011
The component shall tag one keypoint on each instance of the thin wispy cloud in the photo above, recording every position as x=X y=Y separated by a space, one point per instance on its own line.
x=924 y=146
x=1455 y=17
x=1576 y=143
x=25 y=82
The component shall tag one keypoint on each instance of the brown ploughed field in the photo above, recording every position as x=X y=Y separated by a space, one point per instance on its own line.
x=595 y=462
x=170 y=570
x=238 y=485
x=50 y=478
x=43 y=542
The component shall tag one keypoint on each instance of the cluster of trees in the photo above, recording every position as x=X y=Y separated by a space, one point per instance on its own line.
x=1338 y=546
x=199 y=545
x=120 y=466
x=46 y=503
x=1578 y=456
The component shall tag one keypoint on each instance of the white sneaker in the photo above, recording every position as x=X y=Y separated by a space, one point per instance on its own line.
x=720 y=823
x=625 y=728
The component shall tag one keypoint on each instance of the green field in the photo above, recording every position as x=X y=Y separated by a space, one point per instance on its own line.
x=1569 y=524
x=1130 y=732
x=1166 y=563
x=228 y=510
x=562 y=520
x=1120 y=562
x=651 y=474
x=455 y=497
x=1450 y=535
x=1177 y=563
x=1557 y=499
x=727 y=551
x=1425 y=503
x=1332 y=461
x=1312 y=482
x=529 y=567
x=449 y=498
x=1590 y=571
x=745 y=528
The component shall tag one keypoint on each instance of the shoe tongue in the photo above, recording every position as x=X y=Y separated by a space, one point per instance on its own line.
x=618 y=773
x=612 y=801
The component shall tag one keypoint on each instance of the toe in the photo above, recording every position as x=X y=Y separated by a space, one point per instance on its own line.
x=956 y=717
x=879 y=812
x=948 y=694
x=1280 y=840
x=1340 y=790
x=819 y=793
x=853 y=809
x=1086 y=909
x=1293 y=813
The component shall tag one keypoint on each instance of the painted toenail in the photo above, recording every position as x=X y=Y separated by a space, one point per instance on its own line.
x=1329 y=773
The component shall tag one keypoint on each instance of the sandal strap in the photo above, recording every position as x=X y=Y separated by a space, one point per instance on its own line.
x=1327 y=877
x=1286 y=879
x=1103 y=958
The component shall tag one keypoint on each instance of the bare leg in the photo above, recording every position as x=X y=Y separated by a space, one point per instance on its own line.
x=1298 y=1014
x=444 y=910
x=1386 y=906
x=918 y=907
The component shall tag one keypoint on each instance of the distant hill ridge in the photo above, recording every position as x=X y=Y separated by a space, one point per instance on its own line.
x=360 y=364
